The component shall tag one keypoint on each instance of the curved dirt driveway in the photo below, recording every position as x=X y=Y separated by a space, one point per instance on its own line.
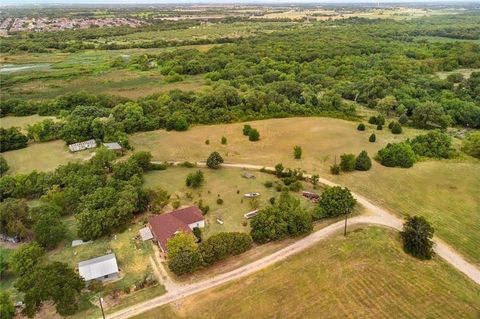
x=380 y=217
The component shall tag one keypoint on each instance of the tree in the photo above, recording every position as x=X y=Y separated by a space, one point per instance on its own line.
x=334 y=201
x=48 y=228
x=56 y=282
x=3 y=166
x=7 y=308
x=183 y=254
x=14 y=218
x=387 y=104
x=4 y=256
x=347 y=162
x=103 y=158
x=279 y=170
x=195 y=180
x=361 y=127
x=417 y=237
x=12 y=139
x=396 y=128
x=198 y=233
x=471 y=144
x=246 y=129
x=335 y=169
x=430 y=114
x=403 y=119
x=253 y=135
x=224 y=140
x=397 y=155
x=214 y=160
x=315 y=179
x=158 y=198
x=297 y=152
x=24 y=259
x=433 y=144
x=223 y=245
x=372 y=138
x=363 y=162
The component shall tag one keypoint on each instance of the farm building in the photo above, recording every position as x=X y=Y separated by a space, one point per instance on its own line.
x=114 y=147
x=248 y=175
x=100 y=268
x=165 y=226
x=82 y=146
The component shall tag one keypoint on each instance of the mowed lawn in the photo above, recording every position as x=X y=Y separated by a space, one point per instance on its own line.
x=446 y=192
x=226 y=184
x=42 y=157
x=365 y=275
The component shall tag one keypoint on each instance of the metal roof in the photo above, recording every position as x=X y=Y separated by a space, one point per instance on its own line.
x=98 y=267
x=146 y=234
x=113 y=146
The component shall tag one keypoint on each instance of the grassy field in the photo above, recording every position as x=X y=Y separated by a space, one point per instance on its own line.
x=222 y=183
x=22 y=121
x=446 y=192
x=365 y=275
x=465 y=72
x=42 y=157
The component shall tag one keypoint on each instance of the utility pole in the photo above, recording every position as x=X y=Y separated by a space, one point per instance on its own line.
x=101 y=306
x=345 y=229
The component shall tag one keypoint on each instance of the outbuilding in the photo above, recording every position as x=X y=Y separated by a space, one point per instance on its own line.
x=100 y=268
x=114 y=147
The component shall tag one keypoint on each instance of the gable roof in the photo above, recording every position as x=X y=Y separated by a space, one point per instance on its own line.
x=98 y=267
x=165 y=226
x=113 y=146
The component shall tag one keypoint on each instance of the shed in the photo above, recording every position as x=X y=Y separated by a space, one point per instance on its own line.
x=114 y=147
x=82 y=146
x=146 y=233
x=100 y=268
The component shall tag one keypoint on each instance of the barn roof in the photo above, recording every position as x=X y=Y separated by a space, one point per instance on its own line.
x=98 y=267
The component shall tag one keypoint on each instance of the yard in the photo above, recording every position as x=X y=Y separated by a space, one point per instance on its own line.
x=446 y=192
x=225 y=184
x=365 y=275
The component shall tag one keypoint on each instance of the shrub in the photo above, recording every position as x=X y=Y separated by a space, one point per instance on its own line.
x=372 y=120
x=397 y=155
x=219 y=201
x=204 y=208
x=379 y=127
x=403 y=119
x=246 y=129
x=297 y=152
x=279 y=170
x=361 y=127
x=197 y=232
x=187 y=164
x=372 y=138
x=334 y=201
x=396 y=128
x=12 y=139
x=207 y=142
x=224 y=140
x=295 y=186
x=471 y=144
x=363 y=162
x=378 y=120
x=268 y=184
x=195 y=180
x=253 y=135
x=176 y=204
x=390 y=125
x=183 y=254
x=347 y=162
x=4 y=167
x=433 y=144
x=214 y=160
x=335 y=169
x=223 y=245
x=417 y=236
x=272 y=200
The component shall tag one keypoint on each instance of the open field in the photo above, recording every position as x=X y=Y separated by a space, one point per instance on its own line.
x=465 y=72
x=227 y=184
x=42 y=157
x=446 y=192
x=365 y=275
x=22 y=121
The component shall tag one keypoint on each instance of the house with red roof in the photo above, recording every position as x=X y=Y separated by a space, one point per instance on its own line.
x=165 y=226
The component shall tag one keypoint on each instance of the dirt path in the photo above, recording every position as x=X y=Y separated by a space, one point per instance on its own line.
x=379 y=216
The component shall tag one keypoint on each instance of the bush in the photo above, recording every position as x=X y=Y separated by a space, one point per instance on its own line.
x=361 y=127
x=396 y=128
x=295 y=186
x=347 y=162
x=187 y=164
x=297 y=152
x=363 y=162
x=378 y=120
x=223 y=140
x=204 y=208
x=403 y=119
x=219 y=201
x=334 y=201
x=397 y=155
x=279 y=170
x=372 y=138
x=379 y=127
x=223 y=245
x=471 y=144
x=253 y=135
x=417 y=236
x=195 y=180
x=207 y=142
x=214 y=160
x=268 y=184
x=4 y=167
x=433 y=144
x=335 y=169
x=12 y=139
x=198 y=233
x=246 y=129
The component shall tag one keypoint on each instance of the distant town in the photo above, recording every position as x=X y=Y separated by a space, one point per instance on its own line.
x=10 y=25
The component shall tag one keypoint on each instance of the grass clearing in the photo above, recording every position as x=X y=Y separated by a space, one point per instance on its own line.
x=22 y=121
x=445 y=192
x=465 y=72
x=365 y=275
x=42 y=157
x=221 y=183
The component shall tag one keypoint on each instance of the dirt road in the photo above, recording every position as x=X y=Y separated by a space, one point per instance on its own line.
x=379 y=216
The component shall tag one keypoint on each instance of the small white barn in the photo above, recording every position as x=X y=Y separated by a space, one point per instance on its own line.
x=100 y=268
x=114 y=147
x=82 y=146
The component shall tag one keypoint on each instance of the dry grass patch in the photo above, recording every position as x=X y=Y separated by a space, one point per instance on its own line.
x=22 y=121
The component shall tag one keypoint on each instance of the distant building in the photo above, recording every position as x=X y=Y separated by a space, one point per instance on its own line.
x=82 y=146
x=248 y=175
x=165 y=226
x=114 y=147
x=100 y=268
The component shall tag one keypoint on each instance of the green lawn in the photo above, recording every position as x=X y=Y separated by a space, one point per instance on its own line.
x=365 y=275
x=227 y=184
x=22 y=121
